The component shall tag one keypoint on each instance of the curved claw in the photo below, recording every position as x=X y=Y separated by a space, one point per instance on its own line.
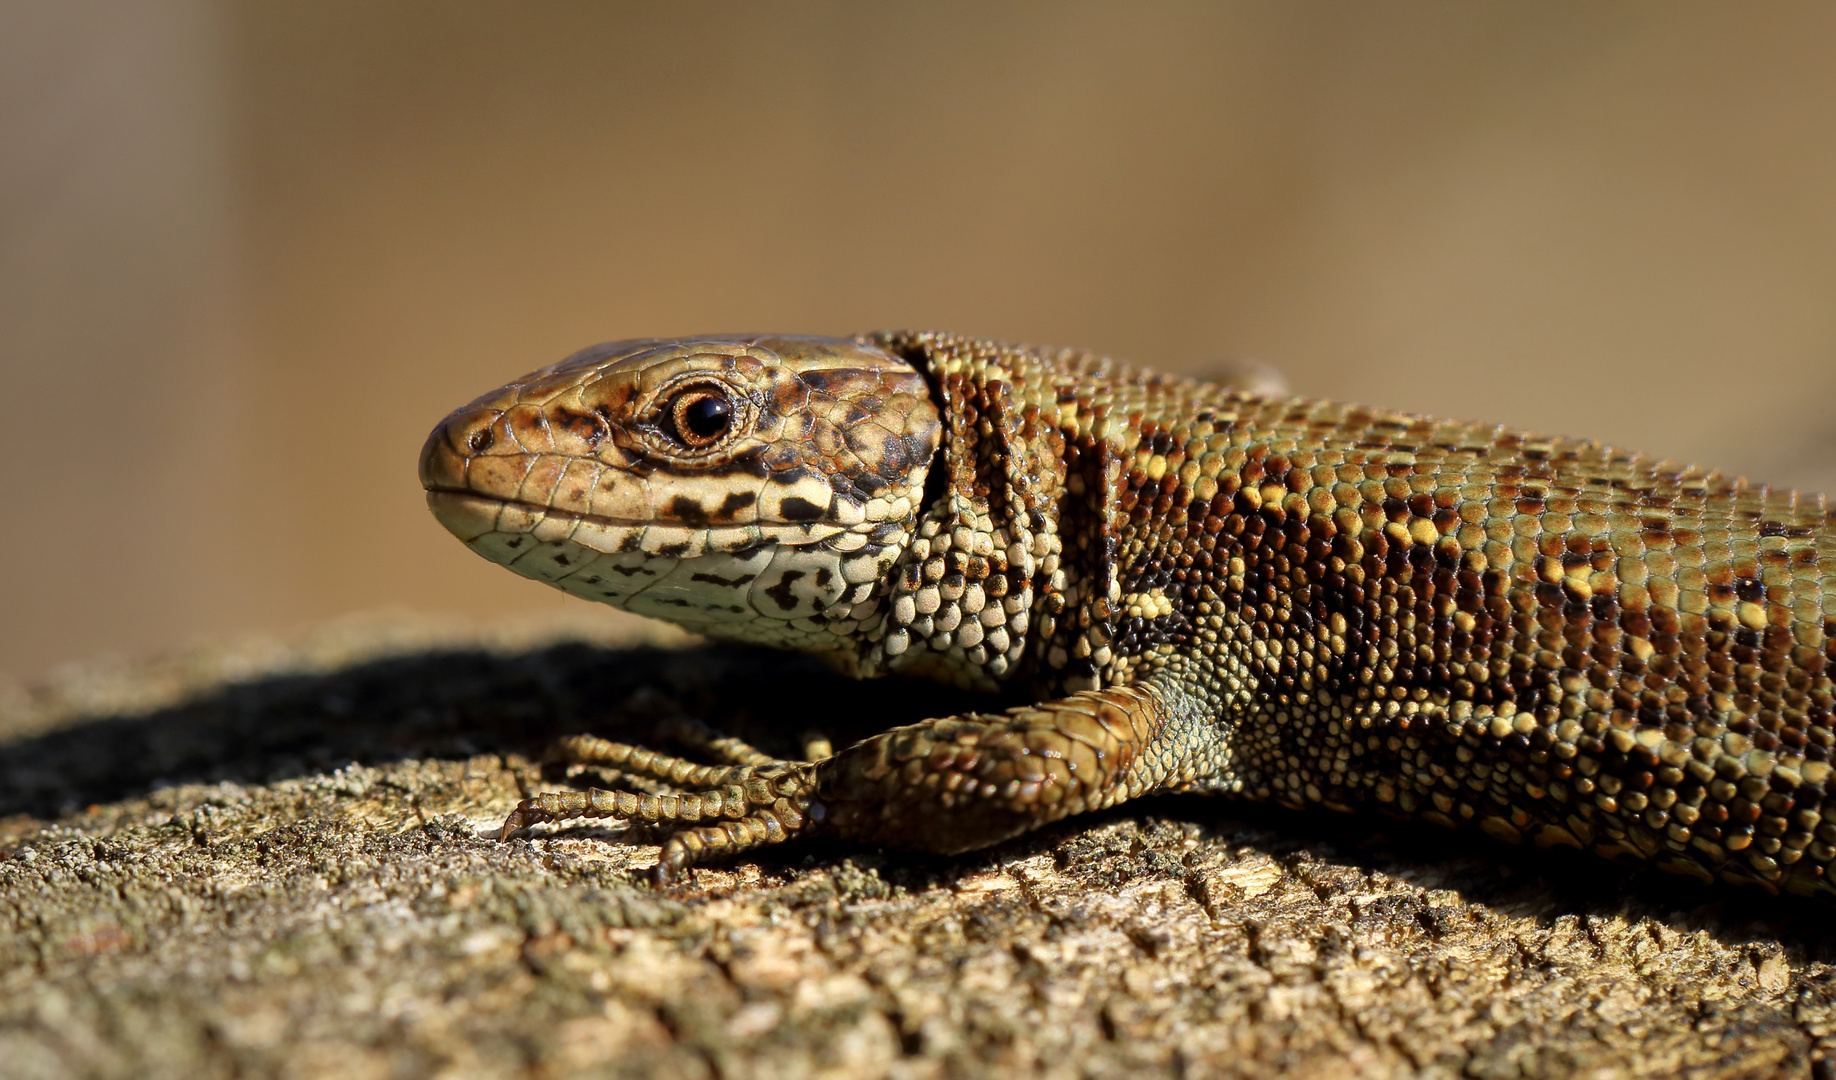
x=525 y=815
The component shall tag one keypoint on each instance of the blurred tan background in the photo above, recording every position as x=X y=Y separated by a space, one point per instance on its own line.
x=250 y=252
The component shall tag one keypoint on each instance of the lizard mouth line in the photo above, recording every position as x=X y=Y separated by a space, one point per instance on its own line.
x=601 y=519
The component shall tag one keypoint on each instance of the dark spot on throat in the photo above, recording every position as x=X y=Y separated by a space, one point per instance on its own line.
x=784 y=592
x=723 y=582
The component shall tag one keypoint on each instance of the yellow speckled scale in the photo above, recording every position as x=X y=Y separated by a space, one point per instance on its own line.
x=1203 y=589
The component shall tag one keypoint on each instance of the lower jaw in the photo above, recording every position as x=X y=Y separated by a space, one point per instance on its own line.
x=470 y=516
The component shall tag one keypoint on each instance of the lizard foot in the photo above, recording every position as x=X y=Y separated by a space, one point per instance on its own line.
x=726 y=808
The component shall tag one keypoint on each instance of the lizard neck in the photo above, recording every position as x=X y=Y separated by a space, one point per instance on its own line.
x=1034 y=559
x=984 y=595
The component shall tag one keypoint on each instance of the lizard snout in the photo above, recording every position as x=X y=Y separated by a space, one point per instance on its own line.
x=453 y=441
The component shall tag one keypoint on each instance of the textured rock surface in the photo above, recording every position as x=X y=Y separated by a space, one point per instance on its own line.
x=270 y=863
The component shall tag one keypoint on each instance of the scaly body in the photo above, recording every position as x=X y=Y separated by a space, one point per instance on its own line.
x=1201 y=589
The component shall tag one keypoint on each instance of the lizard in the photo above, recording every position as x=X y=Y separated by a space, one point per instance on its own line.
x=1197 y=588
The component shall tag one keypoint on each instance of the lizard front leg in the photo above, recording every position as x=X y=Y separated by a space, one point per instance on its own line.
x=945 y=785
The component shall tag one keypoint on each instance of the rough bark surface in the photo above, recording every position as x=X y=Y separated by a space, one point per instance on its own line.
x=275 y=864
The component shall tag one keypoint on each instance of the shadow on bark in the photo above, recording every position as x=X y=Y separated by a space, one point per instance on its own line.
x=450 y=704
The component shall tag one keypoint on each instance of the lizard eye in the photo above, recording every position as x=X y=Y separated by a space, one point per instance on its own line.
x=701 y=415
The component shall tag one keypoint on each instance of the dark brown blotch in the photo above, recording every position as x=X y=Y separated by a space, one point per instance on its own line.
x=586 y=427
x=734 y=503
x=800 y=509
x=687 y=509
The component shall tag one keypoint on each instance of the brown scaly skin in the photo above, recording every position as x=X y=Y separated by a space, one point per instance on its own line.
x=1204 y=590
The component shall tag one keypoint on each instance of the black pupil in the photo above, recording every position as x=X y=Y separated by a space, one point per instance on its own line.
x=709 y=416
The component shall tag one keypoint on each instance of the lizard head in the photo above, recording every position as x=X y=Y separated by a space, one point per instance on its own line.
x=757 y=488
